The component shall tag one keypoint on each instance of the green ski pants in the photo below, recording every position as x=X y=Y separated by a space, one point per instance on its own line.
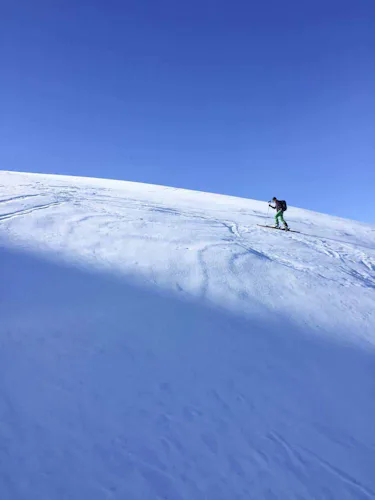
x=278 y=216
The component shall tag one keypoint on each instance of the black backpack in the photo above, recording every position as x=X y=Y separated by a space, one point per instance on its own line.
x=283 y=205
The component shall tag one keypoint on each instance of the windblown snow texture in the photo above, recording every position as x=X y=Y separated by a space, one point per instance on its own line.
x=155 y=343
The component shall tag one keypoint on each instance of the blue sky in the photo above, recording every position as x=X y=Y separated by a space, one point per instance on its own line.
x=254 y=99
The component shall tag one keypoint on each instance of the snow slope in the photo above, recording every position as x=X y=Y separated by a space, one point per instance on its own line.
x=156 y=344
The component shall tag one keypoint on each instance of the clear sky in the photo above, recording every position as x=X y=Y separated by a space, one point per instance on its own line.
x=255 y=98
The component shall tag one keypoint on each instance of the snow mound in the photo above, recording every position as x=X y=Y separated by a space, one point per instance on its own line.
x=157 y=344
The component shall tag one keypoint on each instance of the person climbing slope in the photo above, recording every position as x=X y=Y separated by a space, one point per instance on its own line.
x=280 y=207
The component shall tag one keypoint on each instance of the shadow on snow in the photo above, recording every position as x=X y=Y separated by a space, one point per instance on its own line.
x=112 y=390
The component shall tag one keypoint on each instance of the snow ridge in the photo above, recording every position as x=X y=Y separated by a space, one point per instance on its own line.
x=157 y=344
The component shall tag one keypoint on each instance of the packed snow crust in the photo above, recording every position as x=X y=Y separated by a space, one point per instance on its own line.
x=155 y=343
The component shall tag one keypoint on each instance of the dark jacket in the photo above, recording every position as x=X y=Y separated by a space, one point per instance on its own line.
x=278 y=206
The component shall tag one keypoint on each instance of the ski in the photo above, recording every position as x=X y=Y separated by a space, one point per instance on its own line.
x=279 y=228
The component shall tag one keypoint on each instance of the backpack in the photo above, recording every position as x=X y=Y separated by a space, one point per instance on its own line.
x=283 y=205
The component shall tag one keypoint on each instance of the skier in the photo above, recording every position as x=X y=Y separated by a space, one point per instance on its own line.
x=280 y=207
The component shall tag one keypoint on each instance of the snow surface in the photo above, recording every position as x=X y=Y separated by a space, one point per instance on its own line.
x=156 y=344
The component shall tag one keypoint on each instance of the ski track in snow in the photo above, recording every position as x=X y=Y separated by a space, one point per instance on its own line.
x=156 y=344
